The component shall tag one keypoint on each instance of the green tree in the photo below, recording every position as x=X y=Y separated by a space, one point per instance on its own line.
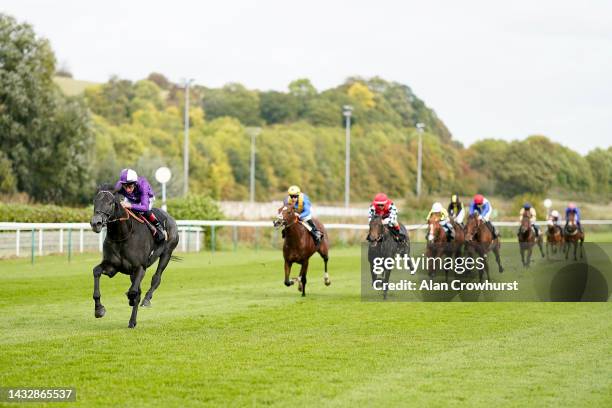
x=233 y=100
x=44 y=134
x=277 y=107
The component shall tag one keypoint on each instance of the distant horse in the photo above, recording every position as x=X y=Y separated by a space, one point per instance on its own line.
x=554 y=239
x=381 y=244
x=129 y=248
x=527 y=239
x=438 y=245
x=479 y=240
x=572 y=235
x=299 y=246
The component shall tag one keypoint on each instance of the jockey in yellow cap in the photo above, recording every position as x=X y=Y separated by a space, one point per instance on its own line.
x=301 y=204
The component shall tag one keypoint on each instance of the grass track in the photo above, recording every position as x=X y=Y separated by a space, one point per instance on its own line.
x=224 y=330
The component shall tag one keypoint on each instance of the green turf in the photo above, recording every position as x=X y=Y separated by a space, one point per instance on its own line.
x=223 y=330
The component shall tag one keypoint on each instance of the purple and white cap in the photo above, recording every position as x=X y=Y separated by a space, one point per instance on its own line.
x=128 y=176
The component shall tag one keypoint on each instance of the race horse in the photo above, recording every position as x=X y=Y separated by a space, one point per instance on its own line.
x=129 y=248
x=479 y=241
x=527 y=239
x=299 y=246
x=572 y=235
x=438 y=244
x=381 y=244
x=554 y=239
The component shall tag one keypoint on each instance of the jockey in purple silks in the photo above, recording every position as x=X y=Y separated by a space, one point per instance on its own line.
x=139 y=198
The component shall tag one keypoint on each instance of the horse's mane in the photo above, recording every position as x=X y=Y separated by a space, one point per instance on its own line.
x=106 y=187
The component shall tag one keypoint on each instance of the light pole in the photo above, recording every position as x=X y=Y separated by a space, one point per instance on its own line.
x=162 y=175
x=186 y=83
x=420 y=127
x=254 y=132
x=347 y=111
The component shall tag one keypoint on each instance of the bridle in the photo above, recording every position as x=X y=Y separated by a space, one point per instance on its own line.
x=109 y=215
x=110 y=220
x=381 y=235
x=283 y=222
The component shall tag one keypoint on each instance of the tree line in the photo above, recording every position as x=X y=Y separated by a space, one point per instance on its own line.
x=56 y=148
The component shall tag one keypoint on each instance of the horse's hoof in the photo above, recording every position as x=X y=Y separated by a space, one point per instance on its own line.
x=501 y=270
x=303 y=294
x=131 y=325
x=289 y=283
x=327 y=282
x=100 y=312
x=146 y=303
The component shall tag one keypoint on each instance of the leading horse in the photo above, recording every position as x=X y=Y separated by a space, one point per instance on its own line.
x=129 y=248
x=381 y=244
x=299 y=246
x=480 y=240
x=438 y=244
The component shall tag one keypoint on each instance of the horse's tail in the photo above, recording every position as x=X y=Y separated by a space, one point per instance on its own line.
x=176 y=258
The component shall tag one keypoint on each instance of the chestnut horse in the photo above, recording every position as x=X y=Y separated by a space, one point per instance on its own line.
x=527 y=239
x=572 y=235
x=554 y=239
x=479 y=240
x=438 y=245
x=299 y=246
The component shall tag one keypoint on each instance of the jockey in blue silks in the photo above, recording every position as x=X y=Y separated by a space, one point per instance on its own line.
x=139 y=198
x=483 y=208
x=301 y=205
x=572 y=208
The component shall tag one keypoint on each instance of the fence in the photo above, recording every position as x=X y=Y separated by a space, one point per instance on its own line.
x=32 y=239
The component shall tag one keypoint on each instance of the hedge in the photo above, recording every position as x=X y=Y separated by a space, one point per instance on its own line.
x=193 y=207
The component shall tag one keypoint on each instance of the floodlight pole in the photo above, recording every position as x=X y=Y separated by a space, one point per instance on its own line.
x=347 y=111
x=420 y=127
x=186 y=84
x=254 y=132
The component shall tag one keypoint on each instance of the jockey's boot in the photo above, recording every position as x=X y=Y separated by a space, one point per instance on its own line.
x=316 y=234
x=537 y=230
x=160 y=233
x=398 y=234
x=450 y=232
x=492 y=229
x=579 y=226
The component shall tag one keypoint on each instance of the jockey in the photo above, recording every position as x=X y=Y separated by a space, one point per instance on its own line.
x=554 y=219
x=482 y=206
x=301 y=204
x=527 y=208
x=571 y=208
x=139 y=198
x=437 y=208
x=383 y=207
x=455 y=209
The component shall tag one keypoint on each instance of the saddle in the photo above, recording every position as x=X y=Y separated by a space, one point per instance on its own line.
x=142 y=219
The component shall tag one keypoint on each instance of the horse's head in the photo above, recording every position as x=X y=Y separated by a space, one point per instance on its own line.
x=376 y=231
x=286 y=216
x=105 y=205
x=571 y=223
x=472 y=226
x=525 y=224
x=434 y=227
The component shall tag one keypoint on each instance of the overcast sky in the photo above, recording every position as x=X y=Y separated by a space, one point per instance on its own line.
x=488 y=68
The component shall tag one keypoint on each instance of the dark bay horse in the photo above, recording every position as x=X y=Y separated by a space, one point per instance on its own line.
x=572 y=235
x=479 y=241
x=129 y=248
x=527 y=239
x=554 y=239
x=381 y=244
x=299 y=246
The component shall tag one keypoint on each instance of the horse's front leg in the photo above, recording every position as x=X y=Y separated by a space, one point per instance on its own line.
x=540 y=243
x=134 y=294
x=288 y=282
x=99 y=310
x=302 y=277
